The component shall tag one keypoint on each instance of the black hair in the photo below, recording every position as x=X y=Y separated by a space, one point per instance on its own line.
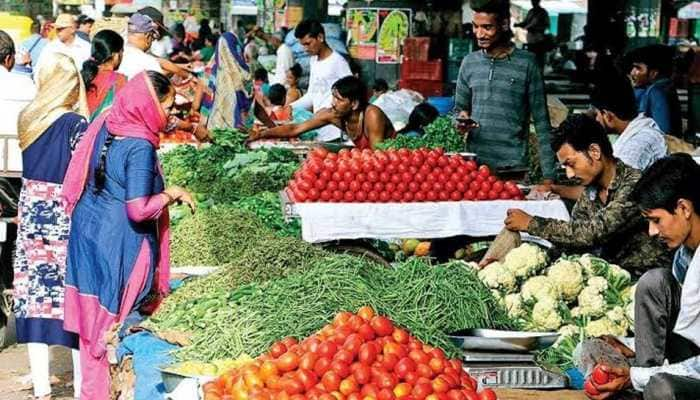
x=380 y=85
x=212 y=38
x=296 y=70
x=581 y=131
x=355 y=67
x=260 y=74
x=666 y=181
x=105 y=44
x=656 y=57
x=422 y=115
x=353 y=89
x=615 y=94
x=277 y=94
x=7 y=46
x=163 y=88
x=501 y=8
x=309 y=27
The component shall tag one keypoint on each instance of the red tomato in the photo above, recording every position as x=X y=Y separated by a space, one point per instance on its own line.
x=485 y=186
x=425 y=169
x=444 y=196
x=484 y=171
x=470 y=395
x=288 y=362
x=337 y=195
x=408 y=197
x=411 y=377
x=327 y=349
x=378 y=187
x=497 y=186
x=384 y=177
x=384 y=197
x=417 y=159
x=386 y=380
x=332 y=186
x=367 y=165
x=320 y=184
x=438 y=186
x=386 y=394
x=366 y=332
x=413 y=187
x=402 y=167
x=457 y=177
x=475 y=186
x=307 y=361
x=348 y=176
x=343 y=186
x=443 y=161
x=391 y=168
x=372 y=176
x=348 y=386
x=491 y=179
x=389 y=362
x=390 y=187
x=480 y=195
x=382 y=326
x=337 y=176
x=325 y=175
x=355 y=186
x=425 y=186
x=278 y=349
x=493 y=195
x=361 y=177
x=331 y=381
x=469 y=195
x=330 y=165
x=314 y=194
x=355 y=166
x=366 y=186
x=419 y=357
x=370 y=390
x=368 y=353
x=436 y=364
x=341 y=368
x=514 y=191
x=487 y=394
x=361 y=196
x=300 y=195
x=322 y=365
x=504 y=195
x=471 y=165
x=404 y=366
x=432 y=161
x=422 y=390
x=345 y=355
x=424 y=371
x=396 y=196
x=304 y=185
x=291 y=386
x=590 y=389
x=479 y=178
x=395 y=179
x=431 y=195
x=443 y=177
x=456 y=196
x=599 y=376
x=395 y=349
x=315 y=166
x=419 y=197
x=372 y=196
x=307 y=378
x=349 y=197
x=362 y=374
x=450 y=186
x=319 y=152
x=401 y=187
x=440 y=385
x=461 y=187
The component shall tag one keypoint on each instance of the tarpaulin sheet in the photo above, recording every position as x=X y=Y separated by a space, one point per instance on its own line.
x=323 y=222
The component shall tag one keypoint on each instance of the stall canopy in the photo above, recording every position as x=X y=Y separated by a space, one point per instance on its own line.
x=690 y=11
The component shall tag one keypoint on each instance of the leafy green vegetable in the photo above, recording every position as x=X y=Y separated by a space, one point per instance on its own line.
x=267 y=207
x=440 y=133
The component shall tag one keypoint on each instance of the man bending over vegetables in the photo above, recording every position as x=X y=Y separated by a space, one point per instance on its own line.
x=365 y=124
x=604 y=221
x=667 y=301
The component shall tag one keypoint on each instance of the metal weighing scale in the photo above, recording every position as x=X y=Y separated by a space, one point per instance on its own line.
x=505 y=359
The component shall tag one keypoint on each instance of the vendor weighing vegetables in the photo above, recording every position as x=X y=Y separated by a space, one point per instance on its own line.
x=604 y=220
x=667 y=301
x=365 y=124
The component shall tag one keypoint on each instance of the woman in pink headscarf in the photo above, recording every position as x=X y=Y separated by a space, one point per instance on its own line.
x=118 y=256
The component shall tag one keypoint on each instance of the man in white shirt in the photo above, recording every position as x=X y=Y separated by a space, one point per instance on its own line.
x=667 y=300
x=641 y=141
x=142 y=32
x=66 y=42
x=327 y=66
x=17 y=91
x=285 y=58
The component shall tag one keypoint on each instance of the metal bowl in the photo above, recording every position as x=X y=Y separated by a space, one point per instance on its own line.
x=498 y=340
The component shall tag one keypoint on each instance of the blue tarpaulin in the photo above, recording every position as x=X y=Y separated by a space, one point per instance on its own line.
x=148 y=353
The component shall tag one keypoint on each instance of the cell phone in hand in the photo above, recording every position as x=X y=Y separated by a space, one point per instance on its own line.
x=467 y=122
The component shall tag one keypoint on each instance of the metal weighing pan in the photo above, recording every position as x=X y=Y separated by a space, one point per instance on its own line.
x=507 y=341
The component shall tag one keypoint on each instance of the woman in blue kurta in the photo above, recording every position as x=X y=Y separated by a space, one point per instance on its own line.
x=118 y=258
x=48 y=128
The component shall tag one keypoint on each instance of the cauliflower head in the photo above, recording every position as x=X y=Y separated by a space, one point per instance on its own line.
x=496 y=276
x=591 y=303
x=593 y=266
x=545 y=315
x=538 y=288
x=567 y=278
x=628 y=294
x=598 y=283
x=629 y=313
x=618 y=316
x=618 y=277
x=525 y=260
x=514 y=305
x=604 y=326
x=567 y=331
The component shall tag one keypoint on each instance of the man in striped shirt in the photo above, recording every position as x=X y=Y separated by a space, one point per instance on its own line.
x=499 y=87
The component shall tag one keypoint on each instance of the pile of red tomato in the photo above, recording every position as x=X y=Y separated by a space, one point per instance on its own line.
x=358 y=357
x=402 y=175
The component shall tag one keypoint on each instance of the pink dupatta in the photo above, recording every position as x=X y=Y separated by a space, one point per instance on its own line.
x=136 y=113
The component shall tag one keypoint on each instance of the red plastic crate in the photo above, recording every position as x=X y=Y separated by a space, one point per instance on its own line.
x=424 y=87
x=421 y=70
x=416 y=48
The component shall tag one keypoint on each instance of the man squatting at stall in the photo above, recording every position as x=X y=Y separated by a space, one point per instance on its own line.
x=604 y=221
x=667 y=300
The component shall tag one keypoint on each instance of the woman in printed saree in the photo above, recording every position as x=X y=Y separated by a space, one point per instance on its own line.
x=48 y=128
x=100 y=72
x=226 y=103
x=118 y=255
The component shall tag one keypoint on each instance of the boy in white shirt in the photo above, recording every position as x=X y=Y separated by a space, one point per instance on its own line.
x=327 y=66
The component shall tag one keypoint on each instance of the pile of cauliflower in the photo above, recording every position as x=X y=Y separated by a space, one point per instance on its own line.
x=574 y=294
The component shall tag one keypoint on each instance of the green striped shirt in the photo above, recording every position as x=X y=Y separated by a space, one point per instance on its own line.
x=500 y=94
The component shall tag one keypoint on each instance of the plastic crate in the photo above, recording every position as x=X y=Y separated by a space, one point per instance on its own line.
x=416 y=48
x=421 y=70
x=424 y=87
x=459 y=48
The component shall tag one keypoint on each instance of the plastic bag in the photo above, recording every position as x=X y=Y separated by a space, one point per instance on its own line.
x=397 y=106
x=591 y=352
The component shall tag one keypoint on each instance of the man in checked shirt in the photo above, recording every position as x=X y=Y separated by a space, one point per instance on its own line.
x=499 y=87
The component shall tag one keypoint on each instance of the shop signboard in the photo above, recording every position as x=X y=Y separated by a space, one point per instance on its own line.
x=362 y=25
x=690 y=11
x=394 y=28
x=244 y=7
